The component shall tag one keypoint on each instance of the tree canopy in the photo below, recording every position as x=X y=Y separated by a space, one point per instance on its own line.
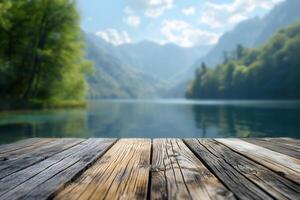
x=271 y=71
x=41 y=51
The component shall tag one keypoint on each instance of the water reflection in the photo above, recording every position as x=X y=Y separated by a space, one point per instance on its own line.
x=249 y=121
x=157 y=119
x=20 y=125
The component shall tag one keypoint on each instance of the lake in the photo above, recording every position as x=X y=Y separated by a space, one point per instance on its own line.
x=156 y=119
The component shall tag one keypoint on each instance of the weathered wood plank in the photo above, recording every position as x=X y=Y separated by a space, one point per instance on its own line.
x=123 y=172
x=236 y=182
x=40 y=181
x=18 y=145
x=178 y=174
x=284 y=165
x=242 y=175
x=15 y=153
x=193 y=169
x=11 y=166
x=276 y=146
x=287 y=142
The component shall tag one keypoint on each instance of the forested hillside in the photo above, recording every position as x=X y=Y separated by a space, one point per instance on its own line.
x=114 y=79
x=41 y=51
x=271 y=71
x=249 y=33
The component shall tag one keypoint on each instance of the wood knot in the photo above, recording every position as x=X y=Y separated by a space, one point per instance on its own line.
x=154 y=168
x=3 y=158
x=246 y=169
x=280 y=173
x=224 y=193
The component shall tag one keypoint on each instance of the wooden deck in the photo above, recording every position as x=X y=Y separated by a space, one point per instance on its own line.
x=150 y=169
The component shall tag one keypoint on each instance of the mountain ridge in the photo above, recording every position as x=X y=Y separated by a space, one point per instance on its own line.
x=253 y=32
x=140 y=65
x=112 y=78
x=249 y=33
x=154 y=58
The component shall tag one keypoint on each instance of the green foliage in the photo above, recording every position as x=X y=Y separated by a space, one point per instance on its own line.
x=269 y=72
x=41 y=51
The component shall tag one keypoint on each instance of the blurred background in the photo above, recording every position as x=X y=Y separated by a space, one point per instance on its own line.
x=149 y=68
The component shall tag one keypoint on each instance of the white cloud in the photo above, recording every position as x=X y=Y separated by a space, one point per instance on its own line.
x=185 y=35
x=156 y=8
x=130 y=18
x=189 y=11
x=128 y=10
x=114 y=36
x=152 y=8
x=218 y=15
x=210 y=18
x=234 y=19
x=133 y=21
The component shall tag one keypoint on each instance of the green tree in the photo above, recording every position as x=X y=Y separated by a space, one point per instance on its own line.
x=239 y=51
x=228 y=78
x=42 y=52
x=225 y=57
x=196 y=89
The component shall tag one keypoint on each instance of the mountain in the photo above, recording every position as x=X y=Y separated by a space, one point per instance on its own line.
x=245 y=33
x=249 y=33
x=114 y=79
x=161 y=61
x=144 y=69
x=254 y=32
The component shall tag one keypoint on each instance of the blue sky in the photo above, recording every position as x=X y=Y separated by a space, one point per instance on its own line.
x=183 y=22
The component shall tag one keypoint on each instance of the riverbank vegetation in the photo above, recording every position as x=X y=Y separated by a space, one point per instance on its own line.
x=271 y=71
x=42 y=61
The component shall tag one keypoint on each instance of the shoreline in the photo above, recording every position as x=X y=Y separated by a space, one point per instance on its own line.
x=7 y=105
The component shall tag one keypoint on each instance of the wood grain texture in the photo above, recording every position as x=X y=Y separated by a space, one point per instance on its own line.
x=284 y=165
x=286 y=141
x=122 y=173
x=41 y=180
x=20 y=151
x=277 y=146
x=18 y=145
x=11 y=166
x=262 y=169
x=178 y=174
x=247 y=179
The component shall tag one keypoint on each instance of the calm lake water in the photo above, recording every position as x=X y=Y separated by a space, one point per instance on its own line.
x=154 y=119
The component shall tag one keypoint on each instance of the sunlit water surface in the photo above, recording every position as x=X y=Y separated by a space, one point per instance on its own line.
x=157 y=118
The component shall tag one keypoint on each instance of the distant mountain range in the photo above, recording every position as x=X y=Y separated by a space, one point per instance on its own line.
x=161 y=61
x=148 y=69
x=142 y=70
